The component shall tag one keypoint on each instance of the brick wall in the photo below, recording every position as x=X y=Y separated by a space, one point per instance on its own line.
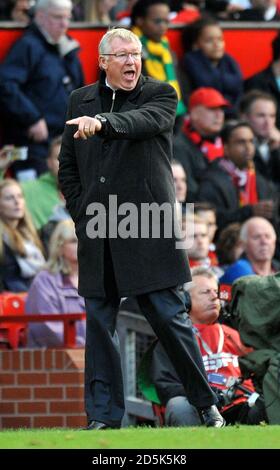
x=42 y=388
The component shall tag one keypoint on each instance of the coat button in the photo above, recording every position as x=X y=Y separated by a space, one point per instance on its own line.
x=102 y=179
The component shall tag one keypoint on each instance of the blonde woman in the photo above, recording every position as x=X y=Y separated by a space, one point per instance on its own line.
x=55 y=290
x=21 y=251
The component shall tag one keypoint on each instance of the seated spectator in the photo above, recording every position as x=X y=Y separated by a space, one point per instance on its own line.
x=198 y=143
x=206 y=64
x=20 y=247
x=98 y=11
x=180 y=181
x=258 y=240
x=240 y=268
x=59 y=213
x=229 y=247
x=78 y=10
x=223 y=9
x=55 y=290
x=16 y=10
x=123 y=17
x=198 y=244
x=261 y=10
x=268 y=80
x=207 y=212
x=42 y=195
x=150 y=20
x=259 y=109
x=220 y=347
x=36 y=79
x=183 y=12
x=232 y=184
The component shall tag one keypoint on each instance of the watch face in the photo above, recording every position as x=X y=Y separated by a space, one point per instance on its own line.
x=100 y=118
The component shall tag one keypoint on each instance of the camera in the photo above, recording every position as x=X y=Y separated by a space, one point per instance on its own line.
x=226 y=317
x=15 y=153
x=227 y=395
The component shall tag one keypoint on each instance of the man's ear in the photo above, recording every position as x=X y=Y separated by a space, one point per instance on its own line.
x=103 y=63
x=195 y=114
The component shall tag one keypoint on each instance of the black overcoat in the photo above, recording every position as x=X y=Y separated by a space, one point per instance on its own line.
x=131 y=162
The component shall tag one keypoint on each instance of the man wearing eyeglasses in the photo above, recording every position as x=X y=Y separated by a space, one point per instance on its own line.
x=115 y=159
x=36 y=79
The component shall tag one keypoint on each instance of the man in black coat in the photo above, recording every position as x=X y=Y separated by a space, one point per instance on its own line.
x=114 y=164
x=221 y=347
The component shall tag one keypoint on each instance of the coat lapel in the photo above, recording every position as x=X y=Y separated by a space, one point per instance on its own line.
x=91 y=103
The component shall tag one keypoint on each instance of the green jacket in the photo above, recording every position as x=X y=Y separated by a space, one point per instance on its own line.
x=41 y=196
x=255 y=306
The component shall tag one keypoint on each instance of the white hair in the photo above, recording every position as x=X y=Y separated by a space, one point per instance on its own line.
x=46 y=4
x=243 y=235
x=244 y=228
x=199 y=271
x=122 y=33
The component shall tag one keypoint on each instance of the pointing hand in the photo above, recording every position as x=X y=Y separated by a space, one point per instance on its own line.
x=87 y=126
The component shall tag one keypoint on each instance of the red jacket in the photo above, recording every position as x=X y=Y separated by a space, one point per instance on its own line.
x=220 y=347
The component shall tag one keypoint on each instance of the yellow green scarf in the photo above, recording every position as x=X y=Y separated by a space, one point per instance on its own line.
x=159 y=64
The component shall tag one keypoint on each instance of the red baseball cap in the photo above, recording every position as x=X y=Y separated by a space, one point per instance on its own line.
x=208 y=97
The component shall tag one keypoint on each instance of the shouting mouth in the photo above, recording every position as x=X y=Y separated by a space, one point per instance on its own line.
x=130 y=74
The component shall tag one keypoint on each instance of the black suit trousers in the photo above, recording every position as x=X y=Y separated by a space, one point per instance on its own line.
x=166 y=313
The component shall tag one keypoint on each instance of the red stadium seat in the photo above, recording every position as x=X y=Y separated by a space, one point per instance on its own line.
x=12 y=335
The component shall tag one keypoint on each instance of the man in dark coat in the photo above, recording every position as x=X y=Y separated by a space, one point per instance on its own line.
x=117 y=162
x=268 y=79
x=198 y=143
x=232 y=184
x=259 y=109
x=36 y=79
x=221 y=348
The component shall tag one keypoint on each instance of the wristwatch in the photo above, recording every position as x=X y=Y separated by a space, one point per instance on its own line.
x=101 y=119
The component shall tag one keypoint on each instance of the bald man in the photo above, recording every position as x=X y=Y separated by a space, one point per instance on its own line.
x=258 y=238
